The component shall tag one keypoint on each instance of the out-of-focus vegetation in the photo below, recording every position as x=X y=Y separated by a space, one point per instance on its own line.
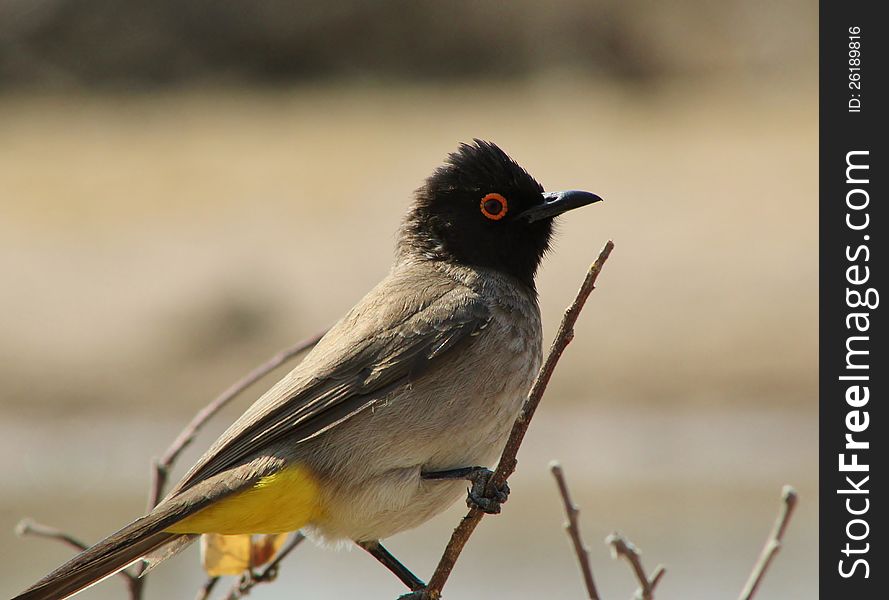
x=149 y=43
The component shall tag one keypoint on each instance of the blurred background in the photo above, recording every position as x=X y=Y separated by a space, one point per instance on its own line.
x=188 y=186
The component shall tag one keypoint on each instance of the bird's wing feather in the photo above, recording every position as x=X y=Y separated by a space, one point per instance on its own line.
x=360 y=367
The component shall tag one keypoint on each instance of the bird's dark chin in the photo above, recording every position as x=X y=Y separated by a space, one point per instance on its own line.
x=518 y=252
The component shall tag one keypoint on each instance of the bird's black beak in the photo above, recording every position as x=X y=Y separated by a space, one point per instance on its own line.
x=555 y=203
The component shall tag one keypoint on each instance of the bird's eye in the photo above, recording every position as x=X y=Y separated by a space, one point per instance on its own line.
x=494 y=206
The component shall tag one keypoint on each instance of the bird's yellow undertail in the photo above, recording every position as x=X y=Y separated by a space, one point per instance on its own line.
x=278 y=503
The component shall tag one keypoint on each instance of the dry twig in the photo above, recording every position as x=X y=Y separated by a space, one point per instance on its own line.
x=507 y=462
x=621 y=546
x=572 y=526
x=205 y=590
x=28 y=527
x=773 y=543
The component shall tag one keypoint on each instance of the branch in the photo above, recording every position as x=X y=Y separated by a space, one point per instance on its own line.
x=163 y=465
x=621 y=546
x=773 y=543
x=507 y=463
x=28 y=527
x=572 y=526
x=207 y=589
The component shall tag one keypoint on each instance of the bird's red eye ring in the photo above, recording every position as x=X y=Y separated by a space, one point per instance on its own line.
x=494 y=206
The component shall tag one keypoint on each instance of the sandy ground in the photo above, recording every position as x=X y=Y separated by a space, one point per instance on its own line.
x=153 y=248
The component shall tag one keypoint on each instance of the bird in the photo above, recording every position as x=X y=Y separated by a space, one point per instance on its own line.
x=408 y=397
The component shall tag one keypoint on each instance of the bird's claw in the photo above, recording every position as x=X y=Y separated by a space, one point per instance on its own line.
x=478 y=496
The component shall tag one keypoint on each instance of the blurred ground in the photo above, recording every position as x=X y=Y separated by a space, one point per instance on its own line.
x=154 y=247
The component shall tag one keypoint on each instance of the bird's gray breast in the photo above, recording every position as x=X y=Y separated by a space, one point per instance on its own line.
x=460 y=411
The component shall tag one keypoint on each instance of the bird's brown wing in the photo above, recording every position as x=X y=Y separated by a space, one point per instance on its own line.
x=359 y=367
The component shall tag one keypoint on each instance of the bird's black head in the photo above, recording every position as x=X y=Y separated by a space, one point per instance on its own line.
x=481 y=208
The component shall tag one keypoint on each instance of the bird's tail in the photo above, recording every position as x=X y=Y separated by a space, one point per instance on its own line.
x=113 y=554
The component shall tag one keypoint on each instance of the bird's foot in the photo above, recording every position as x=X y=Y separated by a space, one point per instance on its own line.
x=478 y=496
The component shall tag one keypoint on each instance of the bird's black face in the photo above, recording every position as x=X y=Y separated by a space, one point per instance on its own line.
x=481 y=208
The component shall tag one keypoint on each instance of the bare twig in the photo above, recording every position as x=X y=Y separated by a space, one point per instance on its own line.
x=162 y=466
x=28 y=527
x=773 y=543
x=250 y=579
x=659 y=571
x=507 y=463
x=205 y=590
x=572 y=526
x=621 y=546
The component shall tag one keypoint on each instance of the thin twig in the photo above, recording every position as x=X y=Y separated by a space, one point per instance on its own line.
x=773 y=543
x=207 y=589
x=572 y=526
x=271 y=570
x=28 y=527
x=659 y=571
x=507 y=463
x=247 y=582
x=161 y=467
x=621 y=546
